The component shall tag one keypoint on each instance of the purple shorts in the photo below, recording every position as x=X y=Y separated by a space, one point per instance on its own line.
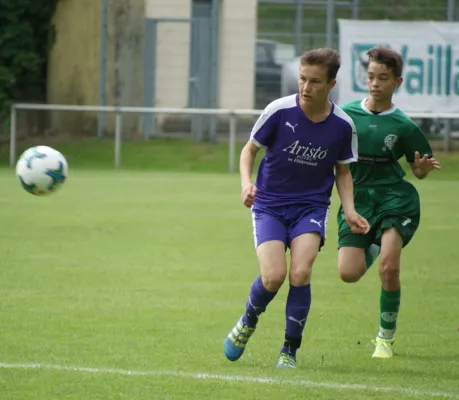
x=287 y=222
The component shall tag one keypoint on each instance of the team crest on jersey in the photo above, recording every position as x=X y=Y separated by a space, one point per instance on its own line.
x=389 y=141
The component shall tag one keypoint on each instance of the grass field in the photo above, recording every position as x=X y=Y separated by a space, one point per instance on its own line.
x=166 y=154
x=124 y=284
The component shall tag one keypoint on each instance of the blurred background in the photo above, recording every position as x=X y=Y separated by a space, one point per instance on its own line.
x=218 y=54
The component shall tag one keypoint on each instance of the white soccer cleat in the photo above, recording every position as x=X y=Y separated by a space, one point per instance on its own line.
x=384 y=348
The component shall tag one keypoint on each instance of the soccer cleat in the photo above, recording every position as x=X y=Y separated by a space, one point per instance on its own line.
x=236 y=341
x=286 y=361
x=384 y=348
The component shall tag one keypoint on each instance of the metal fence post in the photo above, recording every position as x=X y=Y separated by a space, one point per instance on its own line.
x=13 y=136
x=214 y=78
x=299 y=28
x=355 y=9
x=232 y=140
x=118 y=125
x=103 y=67
x=330 y=22
x=149 y=77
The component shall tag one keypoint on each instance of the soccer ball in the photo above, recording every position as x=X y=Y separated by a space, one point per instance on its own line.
x=41 y=170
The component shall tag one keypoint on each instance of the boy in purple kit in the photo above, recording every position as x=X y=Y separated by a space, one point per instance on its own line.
x=308 y=140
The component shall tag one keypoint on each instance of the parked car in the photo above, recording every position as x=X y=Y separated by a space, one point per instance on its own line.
x=270 y=57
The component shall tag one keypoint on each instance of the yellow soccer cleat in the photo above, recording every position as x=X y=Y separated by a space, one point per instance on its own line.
x=236 y=340
x=384 y=348
x=286 y=361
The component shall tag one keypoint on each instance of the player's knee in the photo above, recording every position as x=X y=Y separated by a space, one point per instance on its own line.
x=389 y=267
x=273 y=280
x=349 y=275
x=273 y=265
x=351 y=265
x=300 y=275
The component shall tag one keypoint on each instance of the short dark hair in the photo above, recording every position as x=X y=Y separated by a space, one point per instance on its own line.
x=388 y=57
x=329 y=58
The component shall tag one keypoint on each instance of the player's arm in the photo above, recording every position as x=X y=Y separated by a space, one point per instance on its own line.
x=418 y=152
x=261 y=136
x=343 y=176
x=345 y=187
x=344 y=184
x=246 y=161
x=422 y=166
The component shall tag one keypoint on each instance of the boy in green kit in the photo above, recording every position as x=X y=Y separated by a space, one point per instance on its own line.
x=382 y=196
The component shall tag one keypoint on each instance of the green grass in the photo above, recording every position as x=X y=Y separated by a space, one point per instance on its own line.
x=148 y=271
x=168 y=155
x=160 y=154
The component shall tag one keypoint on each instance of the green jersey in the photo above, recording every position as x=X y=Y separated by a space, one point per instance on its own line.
x=383 y=138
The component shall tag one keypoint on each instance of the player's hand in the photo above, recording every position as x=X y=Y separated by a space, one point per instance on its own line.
x=357 y=223
x=249 y=192
x=425 y=164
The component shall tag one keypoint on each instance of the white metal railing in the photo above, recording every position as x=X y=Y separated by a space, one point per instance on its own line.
x=233 y=114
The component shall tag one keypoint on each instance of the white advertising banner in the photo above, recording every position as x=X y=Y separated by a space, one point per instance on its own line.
x=430 y=51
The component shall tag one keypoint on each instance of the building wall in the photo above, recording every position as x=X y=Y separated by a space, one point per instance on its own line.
x=237 y=35
x=238 y=25
x=74 y=64
x=172 y=51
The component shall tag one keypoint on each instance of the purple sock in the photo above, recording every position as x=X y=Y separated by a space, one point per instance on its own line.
x=257 y=302
x=296 y=313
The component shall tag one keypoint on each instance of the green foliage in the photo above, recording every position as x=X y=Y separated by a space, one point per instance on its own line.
x=26 y=36
x=277 y=20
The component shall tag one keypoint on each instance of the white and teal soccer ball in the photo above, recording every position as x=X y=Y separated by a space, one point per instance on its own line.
x=41 y=170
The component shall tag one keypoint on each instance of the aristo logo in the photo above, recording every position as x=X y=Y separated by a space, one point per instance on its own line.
x=434 y=71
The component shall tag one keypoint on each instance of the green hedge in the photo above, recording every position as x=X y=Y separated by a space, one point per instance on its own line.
x=26 y=36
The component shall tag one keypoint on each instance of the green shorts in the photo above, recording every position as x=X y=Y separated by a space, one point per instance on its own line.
x=384 y=207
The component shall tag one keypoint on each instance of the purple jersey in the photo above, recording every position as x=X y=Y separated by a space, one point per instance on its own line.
x=298 y=167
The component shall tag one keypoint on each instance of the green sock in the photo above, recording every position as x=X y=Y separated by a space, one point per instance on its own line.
x=389 y=306
x=371 y=254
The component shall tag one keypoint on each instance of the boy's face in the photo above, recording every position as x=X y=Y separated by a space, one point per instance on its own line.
x=381 y=81
x=313 y=84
